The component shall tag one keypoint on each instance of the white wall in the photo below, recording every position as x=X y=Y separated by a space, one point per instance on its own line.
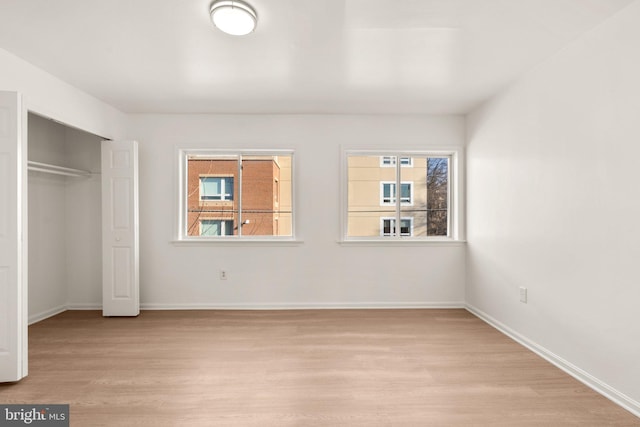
x=51 y=97
x=84 y=222
x=47 y=249
x=318 y=272
x=553 y=205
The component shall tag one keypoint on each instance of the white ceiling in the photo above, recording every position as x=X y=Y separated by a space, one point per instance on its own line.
x=306 y=56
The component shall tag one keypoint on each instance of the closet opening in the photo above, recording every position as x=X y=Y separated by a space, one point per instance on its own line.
x=64 y=218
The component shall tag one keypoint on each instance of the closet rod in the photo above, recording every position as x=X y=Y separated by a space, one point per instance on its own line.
x=56 y=170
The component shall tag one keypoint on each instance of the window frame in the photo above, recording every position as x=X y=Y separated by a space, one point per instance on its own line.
x=183 y=155
x=456 y=225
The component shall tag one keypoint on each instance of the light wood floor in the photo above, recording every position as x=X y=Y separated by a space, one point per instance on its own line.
x=299 y=368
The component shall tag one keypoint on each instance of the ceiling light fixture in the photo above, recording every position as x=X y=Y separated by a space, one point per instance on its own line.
x=233 y=17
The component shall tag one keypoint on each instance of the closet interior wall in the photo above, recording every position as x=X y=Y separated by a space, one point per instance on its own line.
x=65 y=250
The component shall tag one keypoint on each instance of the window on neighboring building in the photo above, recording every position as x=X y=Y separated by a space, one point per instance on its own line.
x=216 y=188
x=239 y=194
x=388 y=193
x=423 y=206
x=388 y=226
x=390 y=161
x=216 y=227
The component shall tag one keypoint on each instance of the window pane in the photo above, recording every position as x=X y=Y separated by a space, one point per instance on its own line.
x=210 y=228
x=227 y=227
x=266 y=196
x=413 y=208
x=405 y=193
x=386 y=227
x=211 y=208
x=438 y=196
x=386 y=190
x=405 y=227
x=430 y=195
x=370 y=189
x=209 y=188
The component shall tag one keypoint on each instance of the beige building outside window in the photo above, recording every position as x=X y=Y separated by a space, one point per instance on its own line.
x=421 y=206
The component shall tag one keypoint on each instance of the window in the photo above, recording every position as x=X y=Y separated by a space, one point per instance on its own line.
x=213 y=188
x=390 y=161
x=425 y=208
x=388 y=226
x=388 y=193
x=232 y=195
x=216 y=227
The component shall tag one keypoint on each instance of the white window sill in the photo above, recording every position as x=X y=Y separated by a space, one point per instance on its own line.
x=231 y=241
x=402 y=242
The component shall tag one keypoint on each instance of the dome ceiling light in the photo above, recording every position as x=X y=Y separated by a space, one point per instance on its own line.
x=233 y=17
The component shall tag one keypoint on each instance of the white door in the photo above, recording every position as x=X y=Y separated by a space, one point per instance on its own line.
x=120 y=276
x=13 y=238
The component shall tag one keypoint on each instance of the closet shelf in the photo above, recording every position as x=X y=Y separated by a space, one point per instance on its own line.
x=56 y=170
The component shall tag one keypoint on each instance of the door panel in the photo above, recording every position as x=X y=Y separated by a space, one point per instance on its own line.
x=121 y=285
x=120 y=292
x=13 y=208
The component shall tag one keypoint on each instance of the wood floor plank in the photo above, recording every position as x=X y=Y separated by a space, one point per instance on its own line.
x=299 y=368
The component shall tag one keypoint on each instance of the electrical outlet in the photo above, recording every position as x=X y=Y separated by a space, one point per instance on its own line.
x=523 y=294
x=223 y=275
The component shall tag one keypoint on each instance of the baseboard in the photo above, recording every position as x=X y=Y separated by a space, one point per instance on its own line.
x=35 y=318
x=584 y=377
x=301 y=306
x=84 y=306
x=38 y=317
x=243 y=306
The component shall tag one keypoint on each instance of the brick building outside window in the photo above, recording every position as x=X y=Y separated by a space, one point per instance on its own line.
x=238 y=195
